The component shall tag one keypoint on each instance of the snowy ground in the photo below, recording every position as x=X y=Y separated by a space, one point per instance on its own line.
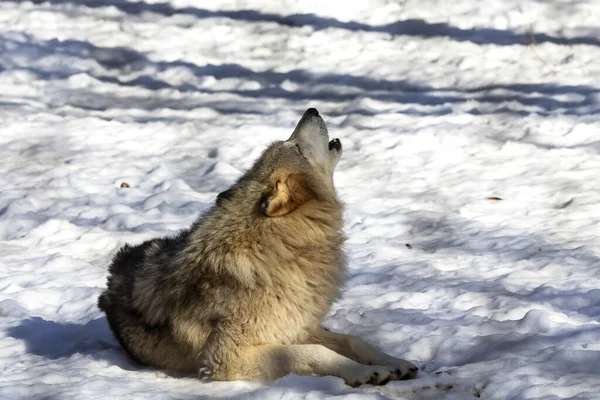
x=440 y=105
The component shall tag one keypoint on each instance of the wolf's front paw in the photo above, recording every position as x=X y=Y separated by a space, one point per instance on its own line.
x=369 y=374
x=404 y=370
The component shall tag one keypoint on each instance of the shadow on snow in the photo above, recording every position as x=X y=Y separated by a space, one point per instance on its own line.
x=128 y=67
x=410 y=27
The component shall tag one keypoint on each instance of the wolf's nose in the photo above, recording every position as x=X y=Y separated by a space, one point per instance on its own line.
x=312 y=111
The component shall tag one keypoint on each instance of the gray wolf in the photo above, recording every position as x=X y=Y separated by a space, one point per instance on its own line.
x=242 y=293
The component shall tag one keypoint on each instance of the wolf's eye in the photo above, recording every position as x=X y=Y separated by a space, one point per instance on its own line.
x=298 y=150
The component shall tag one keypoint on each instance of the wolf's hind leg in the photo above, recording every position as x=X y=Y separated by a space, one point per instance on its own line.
x=268 y=362
x=361 y=352
x=151 y=345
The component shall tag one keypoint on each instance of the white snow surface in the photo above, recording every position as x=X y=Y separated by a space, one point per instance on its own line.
x=440 y=105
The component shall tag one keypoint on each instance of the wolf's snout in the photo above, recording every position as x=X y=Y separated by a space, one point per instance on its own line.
x=311 y=111
x=312 y=137
x=335 y=144
x=311 y=128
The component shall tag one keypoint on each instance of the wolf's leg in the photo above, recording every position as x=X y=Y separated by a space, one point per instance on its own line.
x=152 y=345
x=361 y=352
x=274 y=361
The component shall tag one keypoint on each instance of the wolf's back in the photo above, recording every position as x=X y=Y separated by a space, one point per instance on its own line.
x=121 y=276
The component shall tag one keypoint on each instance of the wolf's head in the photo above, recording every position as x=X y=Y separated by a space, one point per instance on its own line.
x=290 y=174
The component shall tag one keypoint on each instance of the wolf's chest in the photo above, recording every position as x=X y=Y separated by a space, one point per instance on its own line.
x=294 y=302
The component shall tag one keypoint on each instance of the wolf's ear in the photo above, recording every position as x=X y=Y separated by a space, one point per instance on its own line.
x=287 y=195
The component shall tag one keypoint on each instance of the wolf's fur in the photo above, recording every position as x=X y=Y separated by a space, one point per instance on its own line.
x=242 y=293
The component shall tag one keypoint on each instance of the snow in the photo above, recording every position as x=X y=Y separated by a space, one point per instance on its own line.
x=440 y=107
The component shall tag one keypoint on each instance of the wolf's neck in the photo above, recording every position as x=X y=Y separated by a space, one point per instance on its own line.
x=251 y=249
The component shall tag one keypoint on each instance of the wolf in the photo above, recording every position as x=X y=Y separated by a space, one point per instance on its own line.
x=242 y=293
